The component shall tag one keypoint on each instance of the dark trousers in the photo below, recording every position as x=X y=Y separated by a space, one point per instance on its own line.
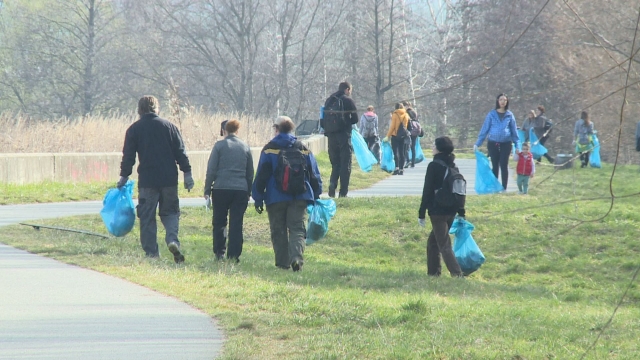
x=499 y=154
x=288 y=232
x=340 y=151
x=547 y=156
x=374 y=146
x=233 y=203
x=412 y=149
x=439 y=243
x=397 y=144
x=584 y=158
x=148 y=200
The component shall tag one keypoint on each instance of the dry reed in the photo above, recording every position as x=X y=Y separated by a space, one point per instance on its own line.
x=105 y=133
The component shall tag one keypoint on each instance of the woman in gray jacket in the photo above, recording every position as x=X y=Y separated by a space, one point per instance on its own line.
x=228 y=185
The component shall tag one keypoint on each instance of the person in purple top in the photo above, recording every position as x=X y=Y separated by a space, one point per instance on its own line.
x=500 y=130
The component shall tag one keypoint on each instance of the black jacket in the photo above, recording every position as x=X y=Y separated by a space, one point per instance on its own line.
x=433 y=181
x=159 y=146
x=350 y=111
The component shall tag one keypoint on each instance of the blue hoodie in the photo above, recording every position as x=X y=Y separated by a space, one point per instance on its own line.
x=265 y=189
x=499 y=130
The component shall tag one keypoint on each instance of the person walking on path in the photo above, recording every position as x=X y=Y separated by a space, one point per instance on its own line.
x=499 y=128
x=399 y=136
x=228 y=184
x=369 y=127
x=159 y=146
x=287 y=210
x=338 y=133
x=525 y=168
x=583 y=137
x=439 y=242
x=414 y=131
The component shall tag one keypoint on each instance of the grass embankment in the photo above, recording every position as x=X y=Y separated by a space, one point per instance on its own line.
x=543 y=293
x=60 y=192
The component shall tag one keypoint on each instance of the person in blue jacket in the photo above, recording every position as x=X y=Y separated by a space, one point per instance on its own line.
x=287 y=213
x=500 y=130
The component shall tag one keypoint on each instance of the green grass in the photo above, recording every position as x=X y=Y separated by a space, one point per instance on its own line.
x=47 y=192
x=543 y=293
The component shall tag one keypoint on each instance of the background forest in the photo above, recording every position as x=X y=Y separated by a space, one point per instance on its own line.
x=261 y=58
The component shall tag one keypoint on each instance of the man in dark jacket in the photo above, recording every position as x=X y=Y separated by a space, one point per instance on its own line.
x=287 y=213
x=439 y=241
x=159 y=146
x=340 y=148
x=413 y=116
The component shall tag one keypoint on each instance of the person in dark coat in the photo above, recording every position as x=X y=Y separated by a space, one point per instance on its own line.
x=439 y=242
x=159 y=146
x=340 y=148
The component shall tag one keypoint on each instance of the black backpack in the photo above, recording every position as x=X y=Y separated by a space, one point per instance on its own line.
x=452 y=195
x=291 y=170
x=333 y=119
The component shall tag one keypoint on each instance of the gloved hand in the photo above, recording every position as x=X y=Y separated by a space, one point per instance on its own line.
x=422 y=222
x=573 y=142
x=207 y=201
x=123 y=180
x=259 y=208
x=386 y=139
x=475 y=148
x=188 y=181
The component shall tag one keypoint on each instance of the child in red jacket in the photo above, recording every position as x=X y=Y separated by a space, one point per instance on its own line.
x=526 y=168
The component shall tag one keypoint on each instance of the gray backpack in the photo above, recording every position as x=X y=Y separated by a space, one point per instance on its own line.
x=368 y=127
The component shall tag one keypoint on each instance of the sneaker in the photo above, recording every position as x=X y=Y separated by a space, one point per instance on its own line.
x=401 y=172
x=332 y=191
x=396 y=172
x=175 y=250
x=412 y=165
x=296 y=265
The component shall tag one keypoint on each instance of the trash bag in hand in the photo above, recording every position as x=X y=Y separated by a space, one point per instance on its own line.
x=419 y=153
x=118 y=212
x=320 y=212
x=364 y=157
x=467 y=252
x=387 y=163
x=594 y=158
x=486 y=182
x=537 y=150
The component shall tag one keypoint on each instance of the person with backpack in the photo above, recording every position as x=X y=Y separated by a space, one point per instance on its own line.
x=339 y=114
x=287 y=181
x=399 y=136
x=583 y=137
x=369 y=129
x=443 y=196
x=499 y=128
x=228 y=186
x=415 y=130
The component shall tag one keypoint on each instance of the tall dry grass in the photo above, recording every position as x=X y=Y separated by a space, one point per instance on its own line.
x=105 y=133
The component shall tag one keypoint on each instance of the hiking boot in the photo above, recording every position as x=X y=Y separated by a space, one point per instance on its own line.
x=342 y=195
x=175 y=250
x=332 y=191
x=296 y=265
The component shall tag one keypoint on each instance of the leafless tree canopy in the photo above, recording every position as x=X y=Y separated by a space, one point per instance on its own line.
x=269 y=57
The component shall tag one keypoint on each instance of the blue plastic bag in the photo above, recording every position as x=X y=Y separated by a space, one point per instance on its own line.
x=537 y=149
x=419 y=153
x=363 y=155
x=387 y=163
x=118 y=212
x=522 y=138
x=486 y=182
x=467 y=252
x=320 y=212
x=594 y=158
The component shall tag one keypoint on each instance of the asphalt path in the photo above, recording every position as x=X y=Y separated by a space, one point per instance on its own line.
x=52 y=310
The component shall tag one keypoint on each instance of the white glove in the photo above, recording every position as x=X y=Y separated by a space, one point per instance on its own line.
x=475 y=148
x=422 y=222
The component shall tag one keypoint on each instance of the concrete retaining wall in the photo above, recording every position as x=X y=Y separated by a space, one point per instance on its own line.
x=90 y=167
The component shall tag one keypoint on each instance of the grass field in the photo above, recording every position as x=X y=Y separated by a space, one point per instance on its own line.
x=546 y=291
x=61 y=192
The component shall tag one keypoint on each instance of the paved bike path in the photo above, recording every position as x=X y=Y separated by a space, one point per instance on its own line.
x=52 y=310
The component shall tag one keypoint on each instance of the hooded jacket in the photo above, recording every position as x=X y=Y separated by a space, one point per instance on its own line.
x=497 y=130
x=433 y=181
x=398 y=117
x=265 y=190
x=368 y=118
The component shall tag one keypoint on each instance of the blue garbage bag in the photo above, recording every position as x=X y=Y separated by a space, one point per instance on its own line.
x=419 y=153
x=118 y=212
x=467 y=252
x=486 y=182
x=522 y=138
x=363 y=155
x=320 y=212
x=537 y=149
x=594 y=158
x=387 y=163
